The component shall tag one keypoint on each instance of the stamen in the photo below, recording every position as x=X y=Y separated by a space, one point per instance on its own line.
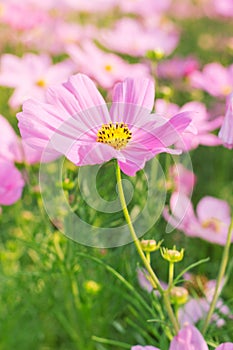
x=115 y=135
x=213 y=224
x=41 y=83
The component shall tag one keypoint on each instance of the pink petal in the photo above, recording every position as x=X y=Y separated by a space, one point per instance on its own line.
x=225 y=346
x=188 y=338
x=89 y=99
x=210 y=207
x=133 y=99
x=95 y=153
x=11 y=183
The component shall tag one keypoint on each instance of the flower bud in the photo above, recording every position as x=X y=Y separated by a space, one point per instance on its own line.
x=155 y=55
x=172 y=255
x=150 y=245
x=179 y=295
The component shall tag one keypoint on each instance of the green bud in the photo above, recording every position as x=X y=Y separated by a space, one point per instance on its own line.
x=150 y=245
x=172 y=255
x=179 y=295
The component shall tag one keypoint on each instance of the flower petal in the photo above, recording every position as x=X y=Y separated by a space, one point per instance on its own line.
x=188 y=337
x=133 y=99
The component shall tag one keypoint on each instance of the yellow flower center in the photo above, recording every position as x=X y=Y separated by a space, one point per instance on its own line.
x=41 y=83
x=213 y=224
x=227 y=90
x=115 y=135
x=108 y=68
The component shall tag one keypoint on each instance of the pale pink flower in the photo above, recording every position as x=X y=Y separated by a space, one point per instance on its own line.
x=61 y=34
x=214 y=79
x=131 y=37
x=210 y=222
x=96 y=6
x=31 y=75
x=75 y=121
x=182 y=179
x=14 y=149
x=201 y=123
x=177 y=67
x=144 y=7
x=225 y=346
x=105 y=68
x=197 y=306
x=10 y=147
x=11 y=183
x=226 y=131
x=223 y=7
x=20 y=16
x=188 y=337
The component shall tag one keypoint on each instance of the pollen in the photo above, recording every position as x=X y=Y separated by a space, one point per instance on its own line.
x=115 y=135
x=108 y=68
x=41 y=83
x=213 y=224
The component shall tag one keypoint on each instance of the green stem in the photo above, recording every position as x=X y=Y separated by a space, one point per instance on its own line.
x=148 y=257
x=221 y=273
x=171 y=275
x=153 y=278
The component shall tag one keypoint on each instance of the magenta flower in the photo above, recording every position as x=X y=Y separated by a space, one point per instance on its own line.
x=31 y=75
x=214 y=79
x=11 y=183
x=75 y=121
x=105 y=68
x=188 y=337
x=211 y=221
x=201 y=124
x=226 y=131
x=177 y=67
x=132 y=38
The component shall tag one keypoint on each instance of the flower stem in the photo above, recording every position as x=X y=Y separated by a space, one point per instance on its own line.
x=153 y=278
x=221 y=273
x=171 y=275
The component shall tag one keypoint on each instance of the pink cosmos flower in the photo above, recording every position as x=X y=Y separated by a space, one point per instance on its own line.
x=91 y=6
x=214 y=79
x=226 y=131
x=105 y=68
x=225 y=346
x=31 y=75
x=10 y=144
x=201 y=122
x=15 y=150
x=198 y=305
x=182 y=179
x=177 y=67
x=11 y=183
x=223 y=7
x=75 y=121
x=61 y=34
x=144 y=7
x=211 y=221
x=132 y=38
x=188 y=337
x=20 y=16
